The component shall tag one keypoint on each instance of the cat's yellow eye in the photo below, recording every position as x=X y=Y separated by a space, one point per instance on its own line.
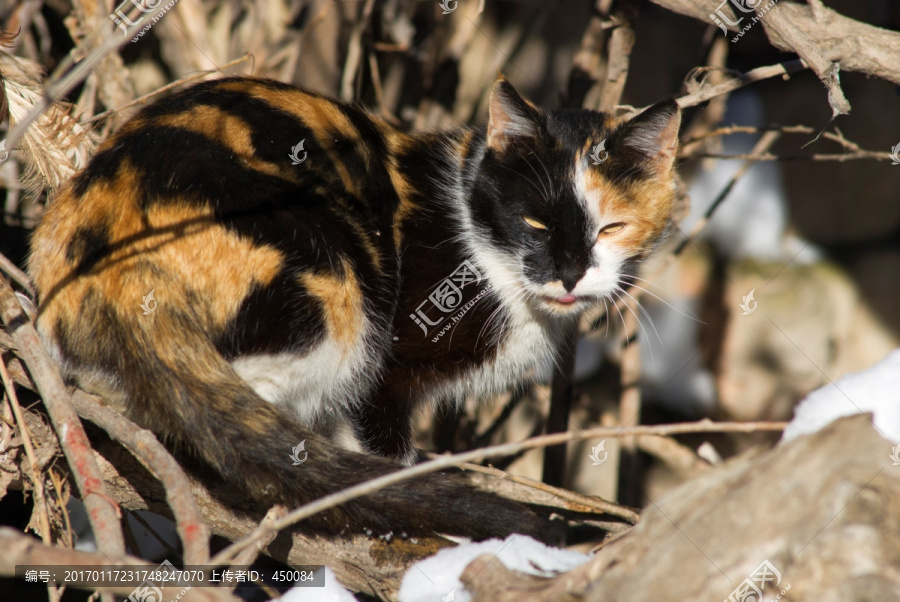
x=534 y=223
x=611 y=229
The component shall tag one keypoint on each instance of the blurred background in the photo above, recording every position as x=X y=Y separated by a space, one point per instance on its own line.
x=794 y=280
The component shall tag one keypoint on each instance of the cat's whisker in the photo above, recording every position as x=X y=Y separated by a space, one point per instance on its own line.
x=651 y=282
x=606 y=316
x=487 y=323
x=526 y=178
x=677 y=310
x=537 y=175
x=621 y=317
x=644 y=330
x=547 y=171
x=644 y=311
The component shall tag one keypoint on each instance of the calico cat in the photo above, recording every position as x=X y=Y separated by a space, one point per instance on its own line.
x=245 y=266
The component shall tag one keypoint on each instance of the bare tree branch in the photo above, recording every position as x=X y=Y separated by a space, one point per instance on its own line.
x=857 y=46
x=103 y=513
x=143 y=444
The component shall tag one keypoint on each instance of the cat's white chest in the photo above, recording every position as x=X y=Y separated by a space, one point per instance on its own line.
x=526 y=351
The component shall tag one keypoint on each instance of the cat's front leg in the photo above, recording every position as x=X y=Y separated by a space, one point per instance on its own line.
x=382 y=424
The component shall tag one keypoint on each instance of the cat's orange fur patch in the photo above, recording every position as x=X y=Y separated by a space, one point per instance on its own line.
x=646 y=218
x=232 y=132
x=342 y=303
x=320 y=115
x=194 y=256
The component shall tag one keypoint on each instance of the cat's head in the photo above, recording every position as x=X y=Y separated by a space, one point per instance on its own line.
x=567 y=202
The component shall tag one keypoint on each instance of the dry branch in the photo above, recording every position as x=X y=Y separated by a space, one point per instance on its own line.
x=630 y=477
x=578 y=502
x=777 y=25
x=20 y=277
x=103 y=513
x=449 y=461
x=143 y=444
x=37 y=478
x=371 y=565
x=73 y=70
x=823 y=510
x=745 y=79
x=621 y=41
x=856 y=46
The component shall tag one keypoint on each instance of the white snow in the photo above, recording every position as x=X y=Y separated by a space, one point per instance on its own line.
x=332 y=592
x=437 y=578
x=875 y=390
x=753 y=220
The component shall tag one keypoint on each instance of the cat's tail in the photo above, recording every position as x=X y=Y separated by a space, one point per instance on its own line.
x=177 y=384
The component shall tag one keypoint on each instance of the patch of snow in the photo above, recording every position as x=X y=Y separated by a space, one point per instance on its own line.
x=875 y=390
x=437 y=577
x=753 y=220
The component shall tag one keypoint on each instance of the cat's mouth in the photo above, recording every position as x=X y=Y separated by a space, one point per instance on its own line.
x=567 y=301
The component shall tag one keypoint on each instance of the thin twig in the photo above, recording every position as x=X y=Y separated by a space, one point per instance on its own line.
x=369 y=487
x=58 y=482
x=248 y=556
x=630 y=478
x=103 y=513
x=609 y=540
x=354 y=51
x=840 y=157
x=589 y=501
x=784 y=129
x=713 y=74
x=40 y=498
x=69 y=74
x=13 y=271
x=751 y=77
x=764 y=143
x=188 y=78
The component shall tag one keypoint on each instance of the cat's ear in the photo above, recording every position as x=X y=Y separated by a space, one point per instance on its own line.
x=653 y=136
x=510 y=116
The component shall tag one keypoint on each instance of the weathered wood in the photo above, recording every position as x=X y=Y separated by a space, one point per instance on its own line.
x=824 y=510
x=857 y=46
